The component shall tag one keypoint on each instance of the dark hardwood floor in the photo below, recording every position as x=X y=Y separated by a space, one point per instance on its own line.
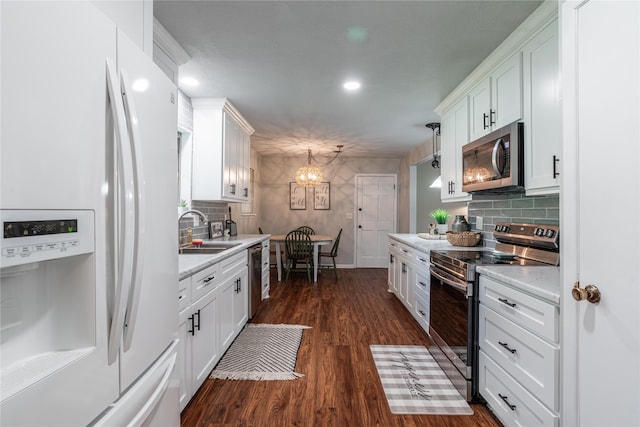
x=341 y=385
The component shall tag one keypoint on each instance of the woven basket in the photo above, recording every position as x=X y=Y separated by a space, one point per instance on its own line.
x=465 y=238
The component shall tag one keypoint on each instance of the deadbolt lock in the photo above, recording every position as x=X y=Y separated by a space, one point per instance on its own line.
x=590 y=293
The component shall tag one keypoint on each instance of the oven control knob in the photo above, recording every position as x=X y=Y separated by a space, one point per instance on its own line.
x=498 y=228
x=505 y=228
x=550 y=233
x=540 y=232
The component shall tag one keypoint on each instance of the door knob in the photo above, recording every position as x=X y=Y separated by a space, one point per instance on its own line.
x=590 y=293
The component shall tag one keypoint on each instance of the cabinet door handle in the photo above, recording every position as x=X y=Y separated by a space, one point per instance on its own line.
x=390 y=258
x=484 y=121
x=492 y=117
x=556 y=160
x=506 y=346
x=506 y=301
x=245 y=192
x=506 y=400
x=198 y=313
x=404 y=267
x=453 y=187
x=232 y=189
x=193 y=329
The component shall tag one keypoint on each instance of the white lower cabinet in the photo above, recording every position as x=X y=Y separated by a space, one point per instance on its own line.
x=519 y=355
x=234 y=301
x=213 y=310
x=405 y=275
x=393 y=267
x=205 y=345
x=409 y=279
x=199 y=347
x=422 y=291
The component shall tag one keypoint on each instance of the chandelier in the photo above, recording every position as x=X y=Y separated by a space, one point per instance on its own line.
x=309 y=175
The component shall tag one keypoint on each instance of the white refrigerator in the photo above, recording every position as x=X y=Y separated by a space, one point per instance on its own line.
x=88 y=191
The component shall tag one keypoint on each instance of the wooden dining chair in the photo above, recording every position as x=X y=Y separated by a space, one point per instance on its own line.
x=333 y=254
x=306 y=229
x=299 y=249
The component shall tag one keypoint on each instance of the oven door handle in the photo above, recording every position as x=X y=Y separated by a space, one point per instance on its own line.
x=447 y=281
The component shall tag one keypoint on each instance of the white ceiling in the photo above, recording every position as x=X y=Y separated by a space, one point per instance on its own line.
x=282 y=64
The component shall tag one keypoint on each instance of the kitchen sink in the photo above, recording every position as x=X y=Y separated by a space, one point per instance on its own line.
x=207 y=248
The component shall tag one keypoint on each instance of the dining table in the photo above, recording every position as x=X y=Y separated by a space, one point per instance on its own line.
x=317 y=240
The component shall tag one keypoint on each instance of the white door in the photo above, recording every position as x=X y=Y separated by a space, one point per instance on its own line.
x=601 y=184
x=375 y=218
x=152 y=316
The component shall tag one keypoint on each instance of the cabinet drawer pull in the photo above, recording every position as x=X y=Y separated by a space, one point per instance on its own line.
x=198 y=325
x=208 y=279
x=506 y=301
x=424 y=285
x=506 y=400
x=506 y=346
x=193 y=329
x=555 y=162
x=422 y=313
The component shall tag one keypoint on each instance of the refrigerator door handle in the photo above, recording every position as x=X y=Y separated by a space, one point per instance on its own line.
x=139 y=188
x=123 y=212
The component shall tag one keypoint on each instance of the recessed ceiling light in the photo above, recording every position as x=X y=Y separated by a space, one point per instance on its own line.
x=189 y=81
x=351 y=85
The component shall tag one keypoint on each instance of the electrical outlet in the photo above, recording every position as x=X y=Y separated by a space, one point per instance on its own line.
x=479 y=223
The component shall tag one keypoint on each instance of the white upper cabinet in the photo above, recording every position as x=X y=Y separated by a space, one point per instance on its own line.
x=221 y=158
x=497 y=100
x=454 y=134
x=518 y=81
x=542 y=112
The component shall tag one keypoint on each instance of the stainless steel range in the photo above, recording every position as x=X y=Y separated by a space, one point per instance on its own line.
x=453 y=326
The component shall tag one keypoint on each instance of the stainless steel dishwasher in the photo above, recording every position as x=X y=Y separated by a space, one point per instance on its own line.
x=255 y=279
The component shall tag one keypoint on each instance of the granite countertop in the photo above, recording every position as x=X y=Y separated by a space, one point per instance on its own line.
x=539 y=281
x=191 y=264
x=426 y=245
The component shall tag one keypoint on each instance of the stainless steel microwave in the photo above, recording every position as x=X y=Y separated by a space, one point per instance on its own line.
x=494 y=163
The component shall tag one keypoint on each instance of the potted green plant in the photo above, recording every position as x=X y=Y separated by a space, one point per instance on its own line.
x=182 y=207
x=441 y=216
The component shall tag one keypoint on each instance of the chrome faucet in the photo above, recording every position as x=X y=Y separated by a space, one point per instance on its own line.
x=195 y=211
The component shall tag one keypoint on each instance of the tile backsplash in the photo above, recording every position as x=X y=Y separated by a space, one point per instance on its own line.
x=215 y=211
x=512 y=208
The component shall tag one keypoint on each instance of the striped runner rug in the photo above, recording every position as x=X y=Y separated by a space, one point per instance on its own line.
x=414 y=383
x=262 y=352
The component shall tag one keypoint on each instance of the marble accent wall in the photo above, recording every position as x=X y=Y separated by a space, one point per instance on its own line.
x=276 y=218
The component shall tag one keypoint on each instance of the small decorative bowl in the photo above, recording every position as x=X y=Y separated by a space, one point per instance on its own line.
x=464 y=238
